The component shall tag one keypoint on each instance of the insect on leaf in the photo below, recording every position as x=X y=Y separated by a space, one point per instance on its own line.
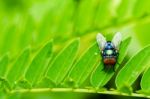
x=100 y=77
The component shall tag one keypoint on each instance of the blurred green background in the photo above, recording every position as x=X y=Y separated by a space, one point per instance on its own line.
x=26 y=23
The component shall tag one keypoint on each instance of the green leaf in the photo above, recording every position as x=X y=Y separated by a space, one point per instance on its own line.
x=145 y=82
x=2 y=95
x=84 y=16
x=39 y=64
x=18 y=69
x=9 y=39
x=63 y=62
x=125 y=9
x=100 y=77
x=25 y=38
x=63 y=20
x=141 y=8
x=102 y=20
x=133 y=68
x=84 y=66
x=3 y=66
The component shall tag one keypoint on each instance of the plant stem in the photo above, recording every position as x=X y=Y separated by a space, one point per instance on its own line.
x=114 y=92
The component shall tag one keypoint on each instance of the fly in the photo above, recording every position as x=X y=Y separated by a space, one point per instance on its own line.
x=109 y=49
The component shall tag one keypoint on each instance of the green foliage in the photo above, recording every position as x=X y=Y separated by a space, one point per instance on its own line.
x=3 y=65
x=39 y=64
x=62 y=63
x=57 y=66
x=129 y=73
x=63 y=71
x=18 y=68
x=84 y=66
x=145 y=82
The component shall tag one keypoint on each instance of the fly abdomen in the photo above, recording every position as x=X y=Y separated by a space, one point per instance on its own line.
x=109 y=61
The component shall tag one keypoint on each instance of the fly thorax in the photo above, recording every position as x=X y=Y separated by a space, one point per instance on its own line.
x=109 y=52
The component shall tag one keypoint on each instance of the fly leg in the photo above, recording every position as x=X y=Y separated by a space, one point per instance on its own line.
x=114 y=67
x=118 y=63
x=104 y=67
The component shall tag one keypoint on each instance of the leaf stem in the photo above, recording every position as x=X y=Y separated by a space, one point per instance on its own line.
x=114 y=92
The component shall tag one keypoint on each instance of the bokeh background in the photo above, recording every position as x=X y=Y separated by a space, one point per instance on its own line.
x=31 y=23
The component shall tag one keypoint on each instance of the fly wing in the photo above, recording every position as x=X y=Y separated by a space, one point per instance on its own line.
x=101 y=40
x=117 y=40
